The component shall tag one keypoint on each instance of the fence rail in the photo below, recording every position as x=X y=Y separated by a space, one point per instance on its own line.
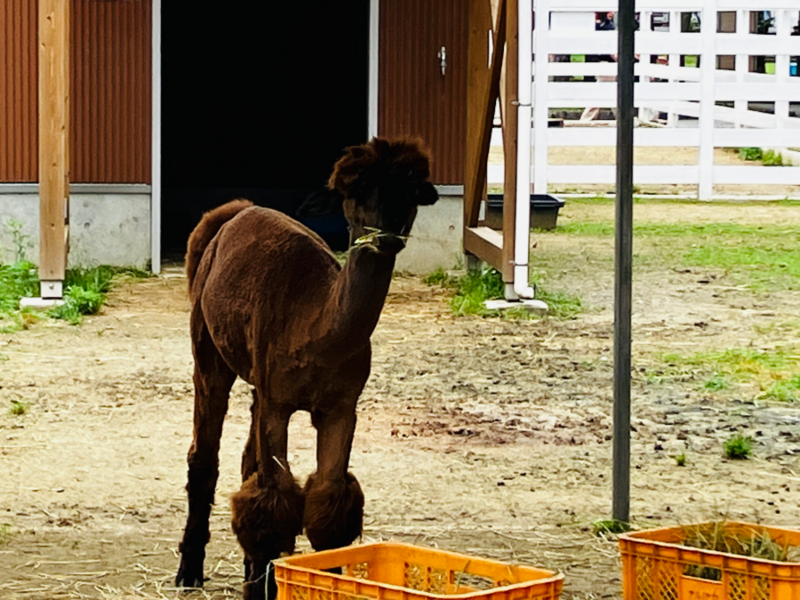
x=722 y=99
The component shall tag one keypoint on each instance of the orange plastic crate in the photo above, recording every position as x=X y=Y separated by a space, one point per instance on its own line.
x=655 y=566
x=392 y=571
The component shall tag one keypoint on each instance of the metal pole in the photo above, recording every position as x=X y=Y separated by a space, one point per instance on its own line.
x=623 y=261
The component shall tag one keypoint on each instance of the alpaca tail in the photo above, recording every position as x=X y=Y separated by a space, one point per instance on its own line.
x=205 y=231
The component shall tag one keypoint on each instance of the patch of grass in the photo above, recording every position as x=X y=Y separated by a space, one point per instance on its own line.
x=473 y=289
x=744 y=362
x=776 y=372
x=751 y=154
x=738 y=447
x=740 y=360
x=784 y=391
x=680 y=459
x=18 y=407
x=563 y=306
x=440 y=277
x=586 y=228
x=710 y=230
x=84 y=293
x=5 y=533
x=77 y=303
x=612 y=526
x=17 y=280
x=772 y=159
x=28 y=318
x=717 y=383
x=762 y=267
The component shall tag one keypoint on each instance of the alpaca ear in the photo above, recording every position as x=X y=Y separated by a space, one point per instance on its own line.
x=320 y=203
x=351 y=173
x=427 y=194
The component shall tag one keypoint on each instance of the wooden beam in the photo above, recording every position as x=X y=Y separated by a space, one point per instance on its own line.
x=510 y=97
x=483 y=87
x=55 y=18
x=486 y=244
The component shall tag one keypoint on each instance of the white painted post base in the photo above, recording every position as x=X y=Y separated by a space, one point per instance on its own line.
x=52 y=294
x=52 y=290
x=531 y=305
x=40 y=303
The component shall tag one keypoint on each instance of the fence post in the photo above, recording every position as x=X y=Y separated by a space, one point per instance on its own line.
x=708 y=67
x=541 y=111
x=742 y=65
x=645 y=26
x=674 y=64
x=783 y=29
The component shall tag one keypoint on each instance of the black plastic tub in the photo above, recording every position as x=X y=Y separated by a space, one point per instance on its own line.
x=544 y=211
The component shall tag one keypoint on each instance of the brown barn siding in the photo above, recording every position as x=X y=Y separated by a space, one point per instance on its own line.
x=18 y=91
x=414 y=97
x=111 y=91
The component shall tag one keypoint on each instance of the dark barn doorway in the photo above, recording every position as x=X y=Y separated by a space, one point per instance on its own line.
x=259 y=100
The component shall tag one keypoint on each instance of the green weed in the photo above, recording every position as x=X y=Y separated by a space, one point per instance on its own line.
x=773 y=371
x=17 y=281
x=475 y=288
x=560 y=304
x=716 y=383
x=680 y=459
x=738 y=447
x=751 y=154
x=21 y=242
x=784 y=391
x=18 y=407
x=772 y=159
x=605 y=526
x=440 y=277
x=5 y=533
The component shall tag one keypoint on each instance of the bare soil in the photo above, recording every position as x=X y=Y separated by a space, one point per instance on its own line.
x=485 y=436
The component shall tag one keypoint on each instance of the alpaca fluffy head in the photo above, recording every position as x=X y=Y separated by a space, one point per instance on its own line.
x=383 y=182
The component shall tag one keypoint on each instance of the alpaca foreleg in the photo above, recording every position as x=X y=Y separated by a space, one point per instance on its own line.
x=213 y=381
x=266 y=520
x=334 y=510
x=268 y=510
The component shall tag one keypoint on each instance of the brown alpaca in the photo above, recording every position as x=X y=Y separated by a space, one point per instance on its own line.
x=271 y=305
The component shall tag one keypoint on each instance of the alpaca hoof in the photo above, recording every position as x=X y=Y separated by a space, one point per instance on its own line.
x=189 y=576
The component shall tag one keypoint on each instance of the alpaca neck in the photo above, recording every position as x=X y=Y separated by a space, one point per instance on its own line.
x=358 y=295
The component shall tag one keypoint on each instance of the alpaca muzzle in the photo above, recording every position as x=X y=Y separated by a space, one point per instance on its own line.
x=383 y=242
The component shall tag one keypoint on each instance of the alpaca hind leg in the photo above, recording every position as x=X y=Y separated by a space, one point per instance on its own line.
x=213 y=380
x=268 y=509
x=334 y=509
x=250 y=465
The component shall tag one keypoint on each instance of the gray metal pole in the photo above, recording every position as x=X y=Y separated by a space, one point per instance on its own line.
x=623 y=261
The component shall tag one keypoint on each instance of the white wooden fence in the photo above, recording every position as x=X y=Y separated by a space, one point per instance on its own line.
x=725 y=27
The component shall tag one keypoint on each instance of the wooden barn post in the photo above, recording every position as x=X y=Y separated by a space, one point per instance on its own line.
x=483 y=90
x=54 y=52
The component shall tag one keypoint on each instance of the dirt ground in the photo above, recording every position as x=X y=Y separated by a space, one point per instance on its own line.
x=485 y=436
